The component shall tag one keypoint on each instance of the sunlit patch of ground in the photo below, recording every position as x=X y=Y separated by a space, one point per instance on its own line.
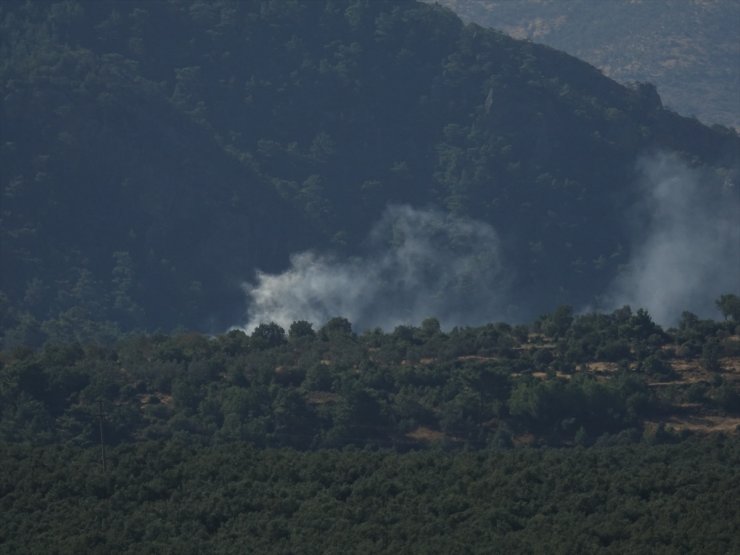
x=701 y=423
x=422 y=433
x=321 y=397
x=602 y=366
x=154 y=399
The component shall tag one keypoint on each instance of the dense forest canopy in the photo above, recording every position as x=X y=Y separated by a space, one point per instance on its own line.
x=156 y=154
x=235 y=499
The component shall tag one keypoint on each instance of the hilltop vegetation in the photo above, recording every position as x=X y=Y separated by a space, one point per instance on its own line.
x=565 y=380
x=156 y=154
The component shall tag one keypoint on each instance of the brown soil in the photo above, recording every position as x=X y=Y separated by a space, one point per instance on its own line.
x=422 y=433
x=543 y=375
x=524 y=439
x=602 y=366
x=701 y=423
x=321 y=397
x=155 y=398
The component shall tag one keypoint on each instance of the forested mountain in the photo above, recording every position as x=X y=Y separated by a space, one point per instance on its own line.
x=402 y=181
x=688 y=48
x=156 y=154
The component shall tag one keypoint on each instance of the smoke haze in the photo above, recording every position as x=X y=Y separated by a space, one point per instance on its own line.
x=686 y=250
x=418 y=263
x=425 y=263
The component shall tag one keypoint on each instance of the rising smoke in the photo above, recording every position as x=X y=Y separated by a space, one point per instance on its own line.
x=423 y=263
x=687 y=245
x=418 y=263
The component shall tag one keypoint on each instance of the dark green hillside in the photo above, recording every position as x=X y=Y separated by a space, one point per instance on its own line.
x=117 y=207
x=154 y=154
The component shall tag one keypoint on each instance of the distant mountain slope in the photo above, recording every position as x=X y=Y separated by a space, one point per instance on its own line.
x=688 y=48
x=154 y=155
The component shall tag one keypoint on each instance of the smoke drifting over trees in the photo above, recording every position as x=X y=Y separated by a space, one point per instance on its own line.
x=686 y=244
x=146 y=175
x=417 y=263
x=420 y=263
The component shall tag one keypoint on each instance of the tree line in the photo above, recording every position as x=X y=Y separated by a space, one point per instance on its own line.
x=564 y=379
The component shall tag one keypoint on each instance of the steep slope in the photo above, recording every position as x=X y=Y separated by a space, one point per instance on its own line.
x=689 y=49
x=117 y=207
x=156 y=154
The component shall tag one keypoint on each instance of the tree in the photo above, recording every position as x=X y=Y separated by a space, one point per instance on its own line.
x=319 y=377
x=336 y=327
x=266 y=336
x=642 y=326
x=301 y=328
x=729 y=306
x=430 y=327
x=559 y=321
x=356 y=417
x=688 y=321
x=710 y=356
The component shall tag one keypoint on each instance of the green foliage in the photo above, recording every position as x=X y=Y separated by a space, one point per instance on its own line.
x=729 y=305
x=266 y=336
x=184 y=497
x=347 y=442
x=471 y=386
x=336 y=328
x=300 y=329
x=710 y=356
x=582 y=406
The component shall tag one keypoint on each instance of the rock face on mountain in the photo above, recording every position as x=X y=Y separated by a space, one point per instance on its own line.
x=155 y=155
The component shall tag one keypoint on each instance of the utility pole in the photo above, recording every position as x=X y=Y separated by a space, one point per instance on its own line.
x=102 y=437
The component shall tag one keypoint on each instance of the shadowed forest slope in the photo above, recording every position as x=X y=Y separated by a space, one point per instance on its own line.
x=154 y=155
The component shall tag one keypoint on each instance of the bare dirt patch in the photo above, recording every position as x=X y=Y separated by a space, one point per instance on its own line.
x=731 y=366
x=155 y=399
x=321 y=397
x=703 y=423
x=422 y=433
x=602 y=367
x=524 y=439
x=545 y=375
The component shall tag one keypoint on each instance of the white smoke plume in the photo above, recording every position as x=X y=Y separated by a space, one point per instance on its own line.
x=418 y=263
x=688 y=252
